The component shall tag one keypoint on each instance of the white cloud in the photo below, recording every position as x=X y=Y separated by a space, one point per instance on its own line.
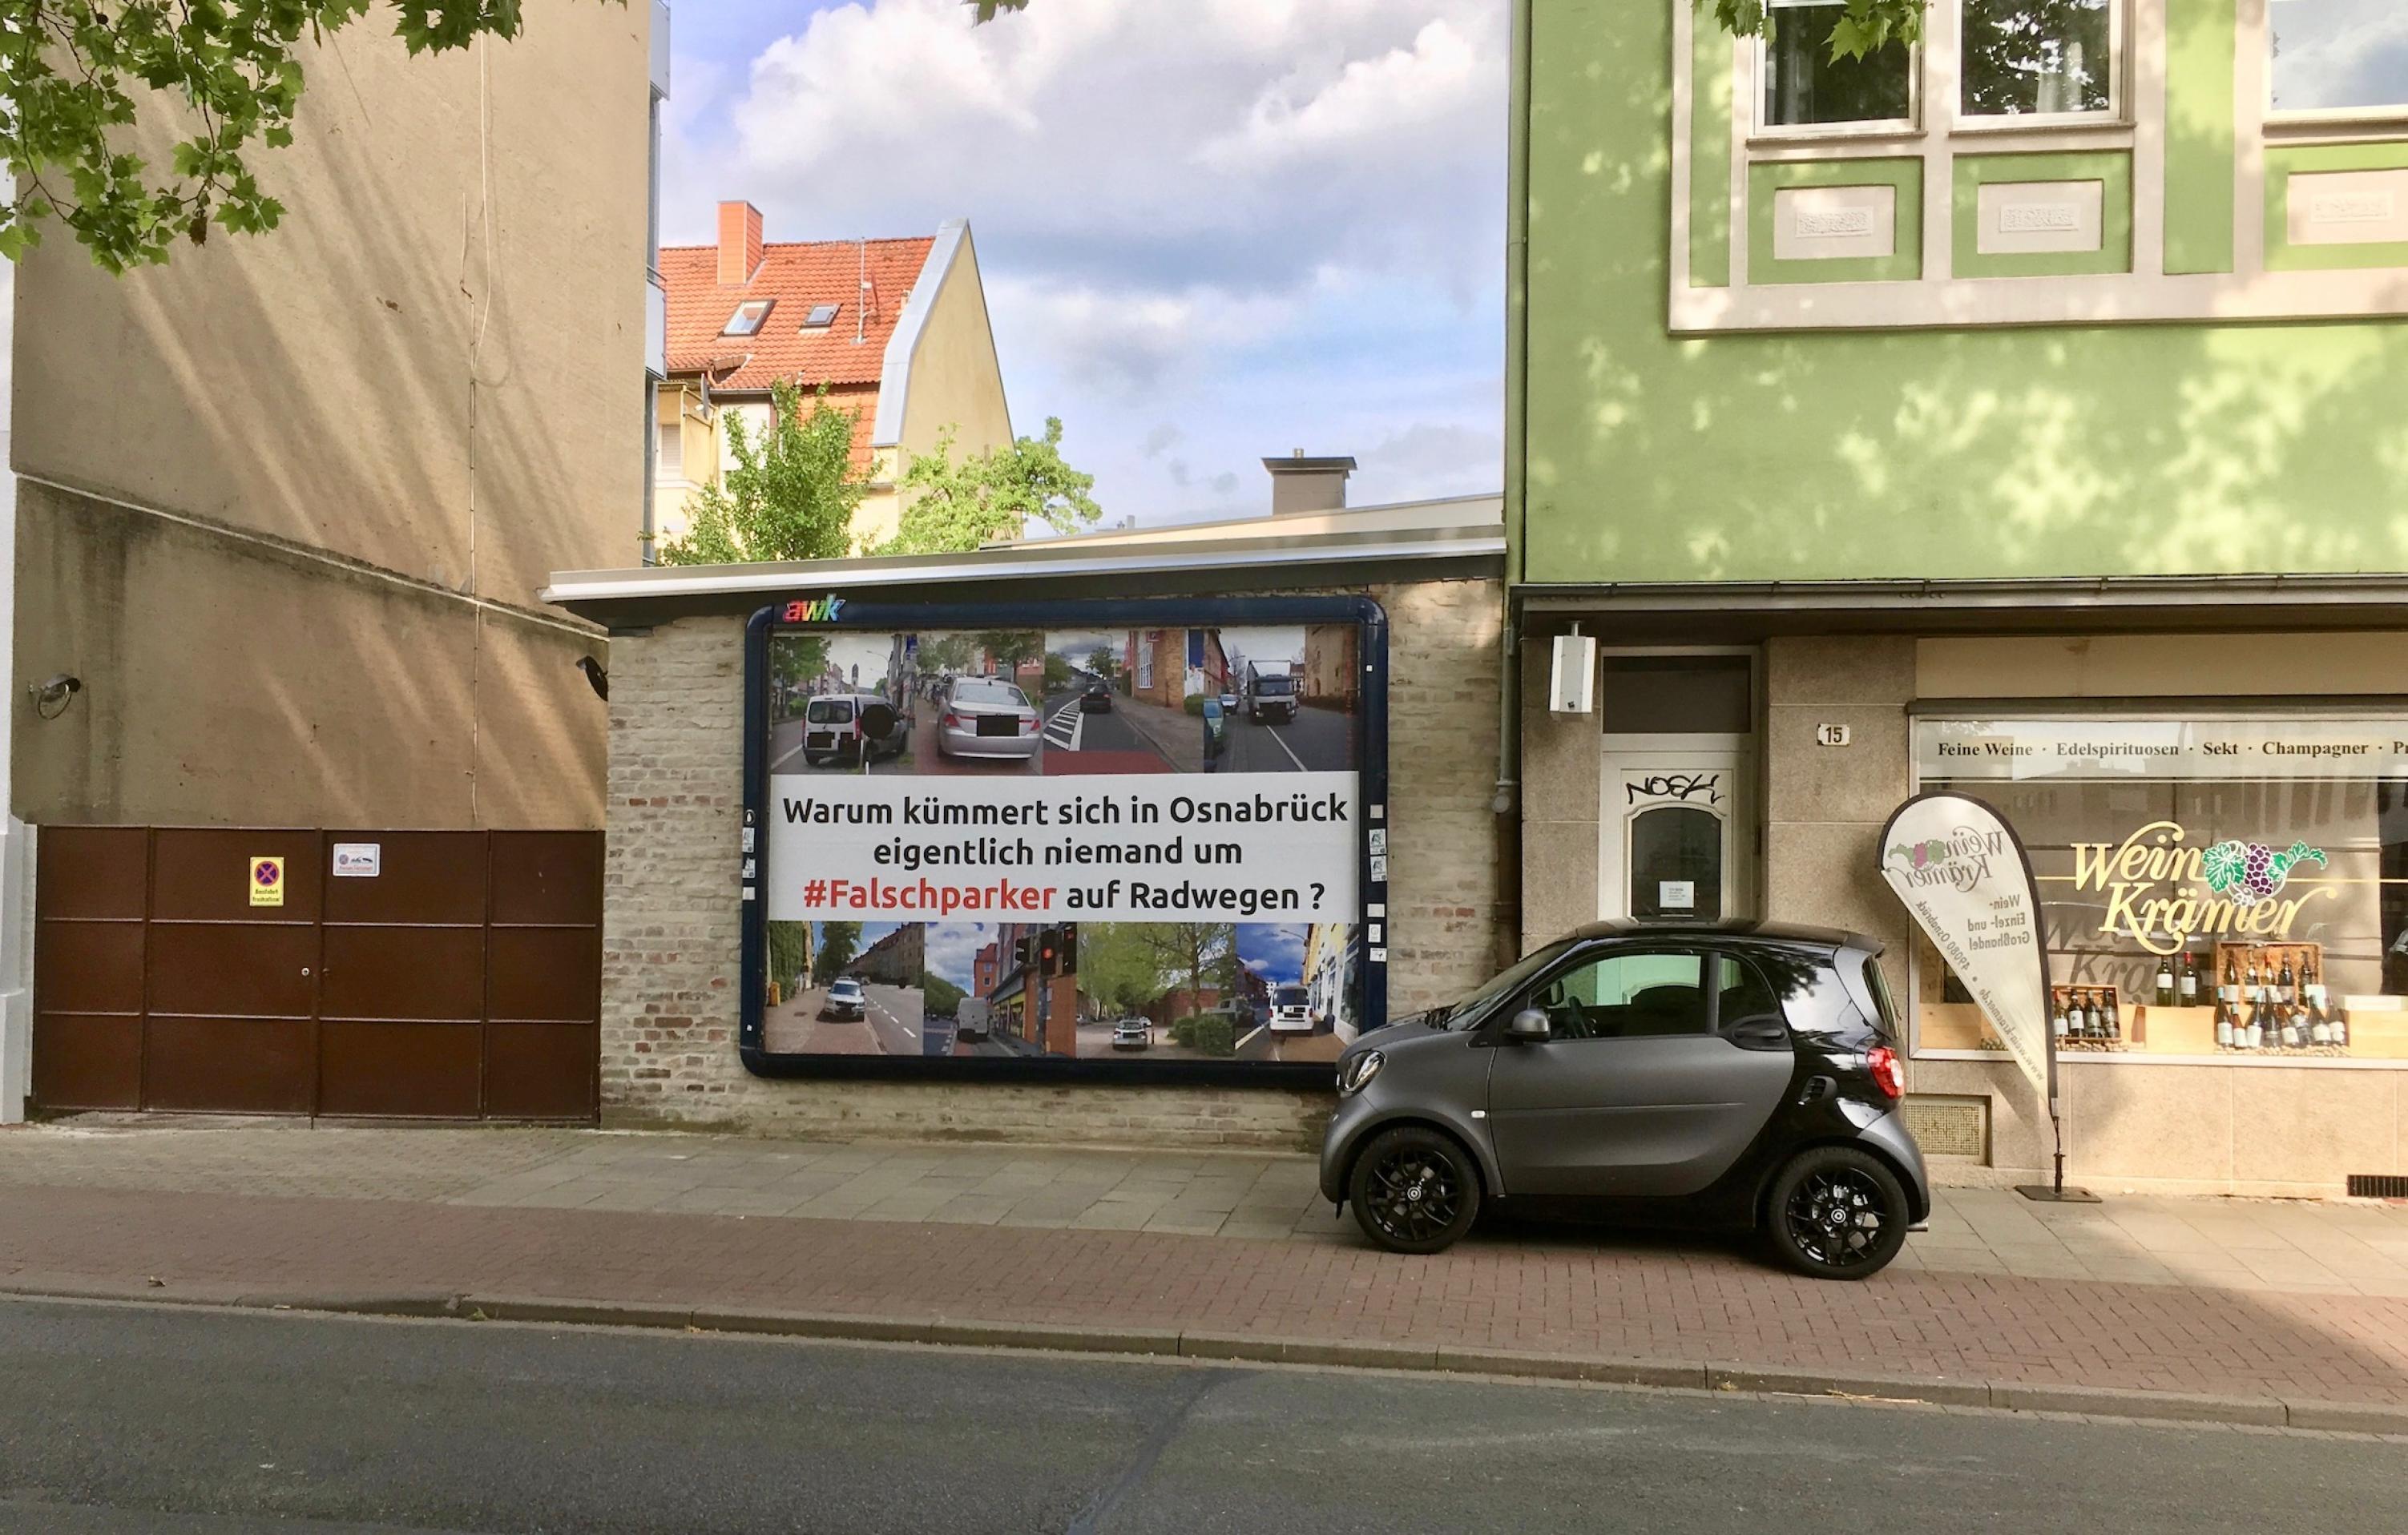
x=1259 y=219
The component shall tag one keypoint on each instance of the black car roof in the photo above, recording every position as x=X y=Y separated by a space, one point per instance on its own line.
x=1765 y=932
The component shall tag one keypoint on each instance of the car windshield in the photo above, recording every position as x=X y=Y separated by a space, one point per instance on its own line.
x=989 y=693
x=848 y=985
x=1291 y=997
x=1275 y=687
x=1480 y=998
x=829 y=711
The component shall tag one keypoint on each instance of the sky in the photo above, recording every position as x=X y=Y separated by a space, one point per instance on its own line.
x=953 y=949
x=1210 y=232
x=1275 y=953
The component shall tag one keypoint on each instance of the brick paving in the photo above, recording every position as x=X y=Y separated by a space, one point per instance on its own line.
x=2000 y=1291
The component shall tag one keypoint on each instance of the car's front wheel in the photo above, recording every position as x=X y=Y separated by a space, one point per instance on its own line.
x=1837 y=1213
x=1414 y=1190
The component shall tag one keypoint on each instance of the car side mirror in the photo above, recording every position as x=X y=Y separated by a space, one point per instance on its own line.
x=1528 y=1026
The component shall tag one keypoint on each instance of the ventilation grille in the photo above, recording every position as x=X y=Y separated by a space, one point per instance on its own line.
x=2378 y=1185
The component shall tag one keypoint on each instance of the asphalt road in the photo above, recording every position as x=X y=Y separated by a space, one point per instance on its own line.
x=1316 y=740
x=199 y=1423
x=1101 y=736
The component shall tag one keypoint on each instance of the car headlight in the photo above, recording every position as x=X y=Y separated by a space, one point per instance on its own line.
x=1356 y=1072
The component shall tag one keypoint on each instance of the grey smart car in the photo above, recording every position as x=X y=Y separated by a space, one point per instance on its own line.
x=1739 y=1076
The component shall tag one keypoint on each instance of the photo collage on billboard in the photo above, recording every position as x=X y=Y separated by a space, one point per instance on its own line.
x=1135 y=844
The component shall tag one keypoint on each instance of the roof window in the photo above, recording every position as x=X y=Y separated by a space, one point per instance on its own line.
x=749 y=317
x=821 y=317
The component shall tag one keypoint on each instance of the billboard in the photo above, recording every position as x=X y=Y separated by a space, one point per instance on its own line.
x=1109 y=840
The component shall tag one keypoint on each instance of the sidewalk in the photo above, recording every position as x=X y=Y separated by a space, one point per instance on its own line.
x=2255 y=1303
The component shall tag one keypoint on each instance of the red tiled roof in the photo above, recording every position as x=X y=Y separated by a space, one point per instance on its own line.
x=797 y=274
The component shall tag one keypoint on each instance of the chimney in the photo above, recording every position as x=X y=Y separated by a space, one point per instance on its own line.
x=1301 y=484
x=740 y=242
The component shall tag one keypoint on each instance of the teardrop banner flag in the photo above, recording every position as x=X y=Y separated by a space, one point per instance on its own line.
x=1963 y=874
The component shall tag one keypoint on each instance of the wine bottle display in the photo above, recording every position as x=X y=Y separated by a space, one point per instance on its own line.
x=2186 y=984
x=2165 y=983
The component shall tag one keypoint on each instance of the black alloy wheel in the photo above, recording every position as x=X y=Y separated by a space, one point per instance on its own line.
x=1414 y=1190
x=1837 y=1213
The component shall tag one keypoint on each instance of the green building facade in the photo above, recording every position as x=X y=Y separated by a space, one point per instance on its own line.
x=2025 y=412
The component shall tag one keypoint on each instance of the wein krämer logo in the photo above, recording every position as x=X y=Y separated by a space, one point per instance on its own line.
x=2252 y=871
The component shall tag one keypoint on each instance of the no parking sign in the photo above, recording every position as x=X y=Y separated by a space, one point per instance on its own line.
x=267 y=881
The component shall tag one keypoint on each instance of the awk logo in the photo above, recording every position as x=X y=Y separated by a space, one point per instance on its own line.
x=825 y=610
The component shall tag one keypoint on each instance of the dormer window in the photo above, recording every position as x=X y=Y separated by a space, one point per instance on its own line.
x=749 y=318
x=821 y=317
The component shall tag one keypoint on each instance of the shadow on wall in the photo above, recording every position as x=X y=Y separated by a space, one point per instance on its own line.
x=1968 y=453
x=413 y=371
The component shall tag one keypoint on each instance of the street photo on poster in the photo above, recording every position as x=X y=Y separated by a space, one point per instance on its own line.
x=846 y=988
x=961 y=703
x=1108 y=843
x=1259 y=699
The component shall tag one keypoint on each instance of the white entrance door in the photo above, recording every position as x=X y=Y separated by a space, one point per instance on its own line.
x=1676 y=837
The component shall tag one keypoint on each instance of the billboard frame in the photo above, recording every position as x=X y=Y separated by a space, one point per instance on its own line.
x=835 y=613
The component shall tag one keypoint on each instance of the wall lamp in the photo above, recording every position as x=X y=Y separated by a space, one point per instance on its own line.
x=52 y=697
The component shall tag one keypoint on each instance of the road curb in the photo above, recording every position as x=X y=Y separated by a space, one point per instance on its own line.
x=1258 y=1348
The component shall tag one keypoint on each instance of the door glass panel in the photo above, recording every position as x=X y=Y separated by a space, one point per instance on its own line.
x=1676 y=863
x=1627 y=996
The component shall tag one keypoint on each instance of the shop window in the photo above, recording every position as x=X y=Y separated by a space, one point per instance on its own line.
x=1805 y=87
x=2198 y=878
x=2338 y=55
x=2039 y=58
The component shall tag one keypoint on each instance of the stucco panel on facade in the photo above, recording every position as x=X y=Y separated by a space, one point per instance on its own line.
x=435 y=365
x=230 y=682
x=2004 y=452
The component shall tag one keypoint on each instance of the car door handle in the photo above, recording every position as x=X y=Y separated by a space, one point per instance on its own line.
x=1759 y=1037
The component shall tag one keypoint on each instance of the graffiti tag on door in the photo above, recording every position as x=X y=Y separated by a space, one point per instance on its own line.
x=1688 y=788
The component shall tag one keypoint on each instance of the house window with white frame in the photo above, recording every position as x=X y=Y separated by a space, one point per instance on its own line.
x=1806 y=88
x=2025 y=59
x=2338 y=56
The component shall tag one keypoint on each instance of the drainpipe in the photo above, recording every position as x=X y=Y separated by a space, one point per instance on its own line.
x=1517 y=333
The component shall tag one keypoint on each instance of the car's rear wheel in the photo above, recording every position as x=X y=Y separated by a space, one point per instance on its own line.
x=1414 y=1190
x=1836 y=1212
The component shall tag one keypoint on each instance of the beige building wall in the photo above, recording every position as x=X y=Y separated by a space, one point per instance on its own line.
x=432 y=370
x=242 y=683
x=955 y=381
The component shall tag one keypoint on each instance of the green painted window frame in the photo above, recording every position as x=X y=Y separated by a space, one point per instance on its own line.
x=2282 y=163
x=1768 y=177
x=2112 y=168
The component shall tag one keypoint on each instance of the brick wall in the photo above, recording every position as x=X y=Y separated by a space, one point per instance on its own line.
x=672 y=912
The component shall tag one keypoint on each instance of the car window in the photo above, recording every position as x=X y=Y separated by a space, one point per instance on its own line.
x=1744 y=996
x=1626 y=994
x=988 y=692
x=1292 y=997
x=828 y=711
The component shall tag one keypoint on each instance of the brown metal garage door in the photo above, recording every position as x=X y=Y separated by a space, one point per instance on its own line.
x=461 y=980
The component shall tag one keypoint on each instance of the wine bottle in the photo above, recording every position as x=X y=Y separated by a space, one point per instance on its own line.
x=2186 y=984
x=2223 y=1022
x=2254 y=1036
x=2057 y=1026
x=2341 y=1027
x=2292 y=1038
x=2165 y=981
x=2287 y=986
x=2094 y=1021
x=2114 y=1019
x=2319 y=1027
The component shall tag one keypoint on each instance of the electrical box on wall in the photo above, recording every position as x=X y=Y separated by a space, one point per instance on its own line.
x=1571 y=682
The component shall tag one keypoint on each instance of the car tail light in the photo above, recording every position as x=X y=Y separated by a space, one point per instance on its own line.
x=1881 y=1061
x=1029 y=725
x=953 y=721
